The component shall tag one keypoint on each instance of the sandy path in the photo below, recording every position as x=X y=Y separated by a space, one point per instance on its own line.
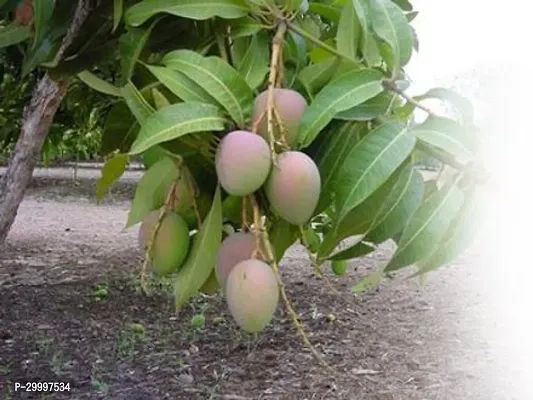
x=461 y=321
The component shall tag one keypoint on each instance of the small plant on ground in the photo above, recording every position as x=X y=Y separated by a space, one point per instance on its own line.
x=100 y=292
x=129 y=339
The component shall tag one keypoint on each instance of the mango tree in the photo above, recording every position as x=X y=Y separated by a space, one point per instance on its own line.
x=265 y=122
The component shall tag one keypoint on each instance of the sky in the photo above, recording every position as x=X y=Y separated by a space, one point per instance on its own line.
x=457 y=35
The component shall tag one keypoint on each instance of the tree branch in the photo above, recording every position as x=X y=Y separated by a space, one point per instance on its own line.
x=391 y=85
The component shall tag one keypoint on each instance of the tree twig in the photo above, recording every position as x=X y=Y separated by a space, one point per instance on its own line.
x=244 y=214
x=272 y=80
x=270 y=256
x=390 y=85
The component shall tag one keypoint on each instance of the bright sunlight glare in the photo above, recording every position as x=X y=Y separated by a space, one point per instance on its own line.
x=480 y=43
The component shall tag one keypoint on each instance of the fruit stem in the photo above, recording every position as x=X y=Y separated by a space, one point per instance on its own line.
x=321 y=44
x=277 y=44
x=257 y=228
x=244 y=214
x=290 y=309
x=192 y=191
x=168 y=201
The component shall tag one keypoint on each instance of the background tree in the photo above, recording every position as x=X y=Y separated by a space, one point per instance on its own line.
x=58 y=38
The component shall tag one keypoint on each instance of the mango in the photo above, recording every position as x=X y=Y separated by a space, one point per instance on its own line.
x=234 y=249
x=242 y=162
x=252 y=294
x=171 y=243
x=339 y=267
x=293 y=187
x=290 y=106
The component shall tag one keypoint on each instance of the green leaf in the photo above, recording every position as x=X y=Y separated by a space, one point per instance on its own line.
x=319 y=54
x=310 y=239
x=98 y=84
x=130 y=47
x=316 y=75
x=43 y=10
x=138 y=105
x=180 y=85
x=411 y=15
x=175 y=121
x=13 y=34
x=460 y=234
x=118 y=8
x=120 y=130
x=152 y=189
x=348 y=32
x=368 y=45
x=111 y=172
x=238 y=49
x=360 y=219
x=8 y=5
x=390 y=24
x=403 y=200
x=310 y=25
x=295 y=50
x=369 y=110
x=160 y=101
x=218 y=78
x=445 y=134
x=416 y=43
x=368 y=282
x=255 y=62
x=329 y=12
x=243 y=27
x=44 y=51
x=427 y=226
x=342 y=93
x=282 y=235
x=202 y=257
x=191 y=9
x=404 y=5
x=370 y=163
x=333 y=149
x=357 y=250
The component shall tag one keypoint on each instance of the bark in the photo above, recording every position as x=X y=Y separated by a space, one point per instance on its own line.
x=37 y=119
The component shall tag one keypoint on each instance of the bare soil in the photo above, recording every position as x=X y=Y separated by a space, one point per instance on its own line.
x=70 y=312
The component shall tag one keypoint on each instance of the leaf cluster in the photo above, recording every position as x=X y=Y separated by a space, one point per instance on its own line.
x=189 y=72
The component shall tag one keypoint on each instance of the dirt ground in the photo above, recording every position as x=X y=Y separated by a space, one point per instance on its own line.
x=70 y=312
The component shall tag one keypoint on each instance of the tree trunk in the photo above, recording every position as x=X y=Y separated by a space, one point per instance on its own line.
x=38 y=117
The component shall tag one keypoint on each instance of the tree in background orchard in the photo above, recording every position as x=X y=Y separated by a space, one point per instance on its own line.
x=75 y=133
x=264 y=122
x=55 y=40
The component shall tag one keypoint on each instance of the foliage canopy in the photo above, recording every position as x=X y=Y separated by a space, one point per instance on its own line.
x=181 y=74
